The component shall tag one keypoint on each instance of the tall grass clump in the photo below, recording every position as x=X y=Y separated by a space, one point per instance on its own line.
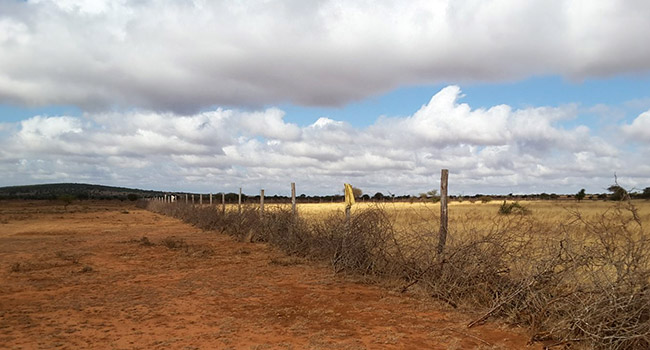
x=582 y=283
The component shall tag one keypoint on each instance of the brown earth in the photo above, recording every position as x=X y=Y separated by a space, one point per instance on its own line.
x=87 y=278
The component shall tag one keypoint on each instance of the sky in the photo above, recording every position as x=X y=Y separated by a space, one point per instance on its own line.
x=511 y=96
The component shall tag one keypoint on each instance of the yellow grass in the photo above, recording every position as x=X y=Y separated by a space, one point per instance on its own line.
x=426 y=215
x=552 y=212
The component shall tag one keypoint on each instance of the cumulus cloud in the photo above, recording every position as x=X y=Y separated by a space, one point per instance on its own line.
x=496 y=149
x=184 y=56
x=639 y=129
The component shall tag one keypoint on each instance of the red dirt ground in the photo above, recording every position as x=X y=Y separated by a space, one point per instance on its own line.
x=82 y=278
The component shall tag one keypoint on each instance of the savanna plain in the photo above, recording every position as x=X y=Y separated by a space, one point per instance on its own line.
x=113 y=275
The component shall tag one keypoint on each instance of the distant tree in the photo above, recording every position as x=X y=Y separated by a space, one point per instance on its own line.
x=67 y=199
x=646 y=193
x=580 y=195
x=356 y=192
x=132 y=197
x=229 y=197
x=485 y=199
x=378 y=196
x=618 y=193
x=430 y=195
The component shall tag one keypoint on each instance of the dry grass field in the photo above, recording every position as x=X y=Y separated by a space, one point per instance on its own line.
x=479 y=213
x=107 y=275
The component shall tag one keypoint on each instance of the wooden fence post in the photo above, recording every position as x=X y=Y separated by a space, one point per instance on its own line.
x=192 y=198
x=239 y=202
x=262 y=203
x=201 y=199
x=210 y=198
x=293 y=200
x=444 y=177
x=186 y=198
x=223 y=202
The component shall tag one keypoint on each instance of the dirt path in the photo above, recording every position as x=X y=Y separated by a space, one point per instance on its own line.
x=86 y=278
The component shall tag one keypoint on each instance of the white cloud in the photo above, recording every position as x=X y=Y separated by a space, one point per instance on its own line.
x=188 y=55
x=497 y=149
x=639 y=129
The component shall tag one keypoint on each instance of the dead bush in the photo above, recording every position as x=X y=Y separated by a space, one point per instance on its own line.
x=174 y=243
x=144 y=241
x=16 y=267
x=72 y=257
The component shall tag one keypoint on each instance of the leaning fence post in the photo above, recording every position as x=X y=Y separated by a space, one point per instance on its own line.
x=349 y=200
x=444 y=176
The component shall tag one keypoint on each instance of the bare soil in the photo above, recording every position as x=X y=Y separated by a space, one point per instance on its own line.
x=106 y=275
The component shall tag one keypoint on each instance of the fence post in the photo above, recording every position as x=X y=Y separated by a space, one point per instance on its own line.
x=444 y=176
x=262 y=203
x=201 y=198
x=293 y=200
x=186 y=198
x=210 y=198
x=223 y=202
x=192 y=198
x=239 y=202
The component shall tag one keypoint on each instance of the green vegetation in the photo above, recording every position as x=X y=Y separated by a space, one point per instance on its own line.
x=618 y=193
x=513 y=208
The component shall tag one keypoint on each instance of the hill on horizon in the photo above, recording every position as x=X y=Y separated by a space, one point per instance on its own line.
x=78 y=190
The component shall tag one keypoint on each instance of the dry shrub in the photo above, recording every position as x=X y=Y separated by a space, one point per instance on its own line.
x=584 y=282
x=72 y=257
x=173 y=243
x=17 y=267
x=191 y=250
x=513 y=208
x=145 y=242
x=360 y=245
